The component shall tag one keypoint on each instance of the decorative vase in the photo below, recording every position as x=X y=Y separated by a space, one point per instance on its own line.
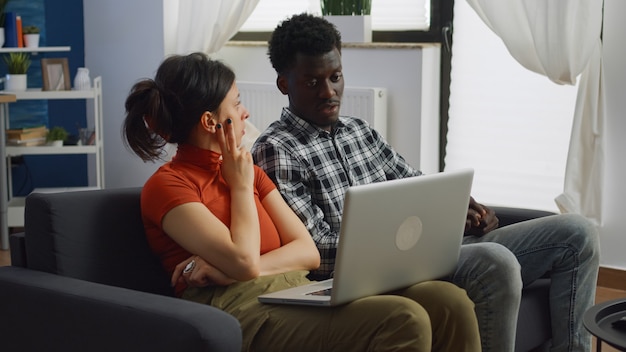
x=15 y=83
x=353 y=29
x=31 y=40
x=82 y=80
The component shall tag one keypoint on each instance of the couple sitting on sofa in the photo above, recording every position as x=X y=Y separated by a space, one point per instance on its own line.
x=227 y=232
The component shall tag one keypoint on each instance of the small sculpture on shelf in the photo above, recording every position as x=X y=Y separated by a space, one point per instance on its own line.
x=57 y=136
x=82 y=81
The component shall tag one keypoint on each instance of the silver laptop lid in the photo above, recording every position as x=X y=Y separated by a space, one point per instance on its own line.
x=401 y=232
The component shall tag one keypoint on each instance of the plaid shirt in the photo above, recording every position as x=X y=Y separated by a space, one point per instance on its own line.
x=312 y=169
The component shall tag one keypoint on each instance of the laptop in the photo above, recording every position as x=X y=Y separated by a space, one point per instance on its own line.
x=394 y=234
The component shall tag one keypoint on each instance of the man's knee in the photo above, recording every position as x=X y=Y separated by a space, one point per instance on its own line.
x=578 y=232
x=489 y=269
x=491 y=260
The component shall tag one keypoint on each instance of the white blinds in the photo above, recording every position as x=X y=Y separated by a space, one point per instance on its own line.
x=386 y=14
x=511 y=125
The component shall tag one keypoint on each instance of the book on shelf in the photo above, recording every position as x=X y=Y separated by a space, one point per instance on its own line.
x=26 y=142
x=27 y=133
x=10 y=30
x=18 y=31
x=26 y=129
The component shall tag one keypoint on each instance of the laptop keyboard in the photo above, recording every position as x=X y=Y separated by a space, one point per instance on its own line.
x=324 y=292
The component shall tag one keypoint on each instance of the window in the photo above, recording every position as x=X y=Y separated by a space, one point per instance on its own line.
x=511 y=125
x=387 y=15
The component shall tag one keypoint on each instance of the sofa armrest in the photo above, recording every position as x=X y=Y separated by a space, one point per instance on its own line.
x=48 y=312
x=509 y=215
x=17 y=245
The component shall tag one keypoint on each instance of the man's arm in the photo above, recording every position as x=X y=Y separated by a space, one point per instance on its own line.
x=291 y=180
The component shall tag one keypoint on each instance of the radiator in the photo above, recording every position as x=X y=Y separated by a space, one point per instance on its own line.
x=265 y=103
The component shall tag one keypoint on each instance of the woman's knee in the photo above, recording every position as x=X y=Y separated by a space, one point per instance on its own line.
x=393 y=321
x=404 y=309
x=436 y=295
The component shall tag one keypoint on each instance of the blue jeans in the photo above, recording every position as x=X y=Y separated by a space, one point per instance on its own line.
x=493 y=269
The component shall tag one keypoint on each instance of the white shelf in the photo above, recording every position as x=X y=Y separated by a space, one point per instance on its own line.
x=12 y=208
x=49 y=150
x=41 y=49
x=37 y=93
x=15 y=212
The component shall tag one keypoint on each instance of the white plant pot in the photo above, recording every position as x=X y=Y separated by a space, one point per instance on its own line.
x=353 y=29
x=1 y=37
x=55 y=143
x=15 y=83
x=31 y=40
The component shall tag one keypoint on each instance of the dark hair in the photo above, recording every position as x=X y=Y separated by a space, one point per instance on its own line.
x=165 y=109
x=304 y=33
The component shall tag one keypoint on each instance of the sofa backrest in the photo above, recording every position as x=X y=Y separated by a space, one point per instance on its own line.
x=93 y=235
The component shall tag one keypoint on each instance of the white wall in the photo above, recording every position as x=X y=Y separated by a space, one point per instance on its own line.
x=613 y=233
x=123 y=43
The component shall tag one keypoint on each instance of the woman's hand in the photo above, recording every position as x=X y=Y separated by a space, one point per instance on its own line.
x=237 y=162
x=480 y=219
x=196 y=272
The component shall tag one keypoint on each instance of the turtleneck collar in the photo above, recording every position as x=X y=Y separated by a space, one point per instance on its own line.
x=203 y=158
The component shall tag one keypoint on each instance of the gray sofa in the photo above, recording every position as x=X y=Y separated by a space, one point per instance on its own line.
x=83 y=278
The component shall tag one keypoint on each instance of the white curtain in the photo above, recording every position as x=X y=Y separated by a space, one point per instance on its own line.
x=561 y=39
x=206 y=25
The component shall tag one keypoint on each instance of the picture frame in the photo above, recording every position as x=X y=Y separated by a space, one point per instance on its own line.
x=55 y=74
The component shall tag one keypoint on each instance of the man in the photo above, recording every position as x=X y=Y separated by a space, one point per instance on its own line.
x=313 y=155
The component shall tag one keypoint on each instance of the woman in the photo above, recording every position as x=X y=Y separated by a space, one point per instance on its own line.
x=212 y=211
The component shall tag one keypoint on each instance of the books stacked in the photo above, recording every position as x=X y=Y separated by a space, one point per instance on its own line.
x=13 y=31
x=26 y=137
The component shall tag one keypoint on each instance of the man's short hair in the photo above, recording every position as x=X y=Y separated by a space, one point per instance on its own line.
x=303 y=33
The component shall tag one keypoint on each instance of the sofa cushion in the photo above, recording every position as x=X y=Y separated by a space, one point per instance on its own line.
x=96 y=236
x=45 y=312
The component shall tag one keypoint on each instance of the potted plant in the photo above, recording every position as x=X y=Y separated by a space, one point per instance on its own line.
x=346 y=7
x=17 y=65
x=351 y=17
x=56 y=136
x=31 y=36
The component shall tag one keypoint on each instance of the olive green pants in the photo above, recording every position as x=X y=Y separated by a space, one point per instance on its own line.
x=433 y=315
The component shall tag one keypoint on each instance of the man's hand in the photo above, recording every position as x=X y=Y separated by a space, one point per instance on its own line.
x=480 y=219
x=199 y=273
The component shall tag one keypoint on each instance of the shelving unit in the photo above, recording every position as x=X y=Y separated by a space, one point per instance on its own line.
x=41 y=49
x=12 y=208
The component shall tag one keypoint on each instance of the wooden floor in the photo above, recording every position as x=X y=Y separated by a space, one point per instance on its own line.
x=5 y=258
x=603 y=294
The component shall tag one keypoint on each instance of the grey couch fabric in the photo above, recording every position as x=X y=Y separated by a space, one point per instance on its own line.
x=89 y=282
x=47 y=312
x=83 y=278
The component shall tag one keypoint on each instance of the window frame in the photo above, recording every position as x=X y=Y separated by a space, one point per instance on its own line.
x=433 y=35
